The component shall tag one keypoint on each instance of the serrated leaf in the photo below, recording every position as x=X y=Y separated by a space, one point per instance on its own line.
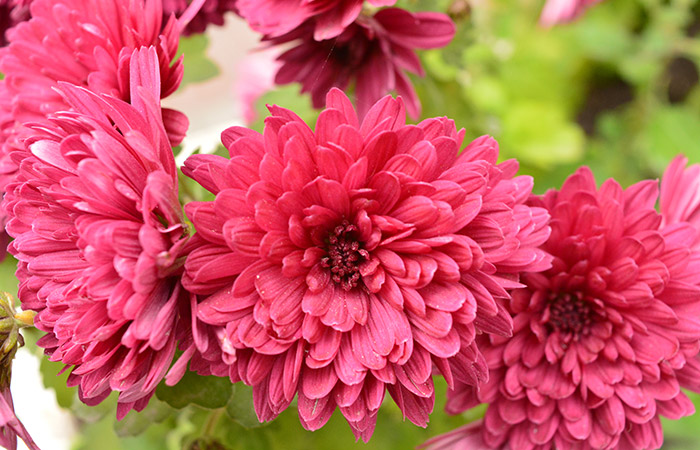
x=209 y=392
x=240 y=408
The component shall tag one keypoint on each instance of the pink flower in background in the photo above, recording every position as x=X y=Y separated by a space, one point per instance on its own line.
x=339 y=263
x=99 y=237
x=560 y=11
x=255 y=77
x=12 y=12
x=604 y=340
x=328 y=17
x=373 y=53
x=212 y=12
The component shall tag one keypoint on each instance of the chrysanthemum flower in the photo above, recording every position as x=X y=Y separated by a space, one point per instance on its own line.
x=373 y=53
x=680 y=194
x=339 y=263
x=278 y=17
x=560 y=11
x=86 y=43
x=99 y=237
x=211 y=12
x=601 y=339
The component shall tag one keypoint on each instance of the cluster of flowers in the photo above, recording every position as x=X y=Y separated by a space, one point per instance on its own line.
x=338 y=263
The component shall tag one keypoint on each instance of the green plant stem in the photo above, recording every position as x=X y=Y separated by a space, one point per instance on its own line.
x=211 y=422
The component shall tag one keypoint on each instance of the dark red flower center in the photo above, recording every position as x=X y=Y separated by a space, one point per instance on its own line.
x=345 y=254
x=569 y=314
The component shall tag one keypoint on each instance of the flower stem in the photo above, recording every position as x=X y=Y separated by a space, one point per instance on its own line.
x=211 y=422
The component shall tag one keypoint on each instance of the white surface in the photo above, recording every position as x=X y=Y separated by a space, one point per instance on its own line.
x=51 y=427
x=211 y=106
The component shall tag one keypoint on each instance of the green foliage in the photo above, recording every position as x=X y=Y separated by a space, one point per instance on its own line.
x=209 y=392
x=198 y=66
x=240 y=407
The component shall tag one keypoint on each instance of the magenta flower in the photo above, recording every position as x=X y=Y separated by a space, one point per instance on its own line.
x=561 y=11
x=99 y=236
x=211 y=12
x=601 y=341
x=328 y=17
x=373 y=53
x=340 y=263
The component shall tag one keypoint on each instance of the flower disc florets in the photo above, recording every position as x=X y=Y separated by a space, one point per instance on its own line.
x=338 y=263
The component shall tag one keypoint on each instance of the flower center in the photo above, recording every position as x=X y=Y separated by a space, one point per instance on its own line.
x=569 y=314
x=345 y=254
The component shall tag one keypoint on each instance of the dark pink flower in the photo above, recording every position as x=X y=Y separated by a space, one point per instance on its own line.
x=373 y=54
x=605 y=339
x=328 y=17
x=560 y=11
x=12 y=12
x=99 y=237
x=339 y=263
x=211 y=12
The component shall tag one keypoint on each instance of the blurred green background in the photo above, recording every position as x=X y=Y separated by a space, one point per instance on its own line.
x=616 y=90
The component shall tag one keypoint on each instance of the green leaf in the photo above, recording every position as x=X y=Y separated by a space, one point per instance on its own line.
x=8 y=281
x=240 y=408
x=209 y=392
x=198 y=66
x=49 y=374
x=673 y=130
x=539 y=134
x=136 y=422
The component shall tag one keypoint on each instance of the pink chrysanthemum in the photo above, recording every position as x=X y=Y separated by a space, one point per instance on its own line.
x=255 y=77
x=680 y=194
x=340 y=263
x=86 y=43
x=211 y=12
x=99 y=236
x=12 y=12
x=602 y=340
x=560 y=11
x=328 y=17
x=374 y=53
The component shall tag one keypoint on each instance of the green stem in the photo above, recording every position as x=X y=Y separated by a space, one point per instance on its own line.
x=211 y=422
